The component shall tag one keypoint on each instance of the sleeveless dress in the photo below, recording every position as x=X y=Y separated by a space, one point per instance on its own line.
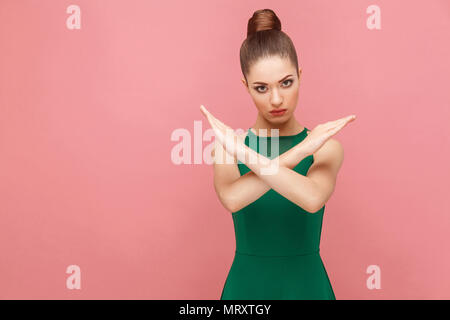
x=277 y=242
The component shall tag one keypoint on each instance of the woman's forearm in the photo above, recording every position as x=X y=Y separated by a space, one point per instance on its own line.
x=291 y=158
x=295 y=187
x=250 y=187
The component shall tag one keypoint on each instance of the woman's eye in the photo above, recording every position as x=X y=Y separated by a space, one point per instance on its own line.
x=290 y=81
x=257 y=89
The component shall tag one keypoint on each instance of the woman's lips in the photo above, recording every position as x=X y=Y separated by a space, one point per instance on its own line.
x=278 y=112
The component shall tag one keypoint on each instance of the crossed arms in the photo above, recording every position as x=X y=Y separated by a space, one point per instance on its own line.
x=310 y=192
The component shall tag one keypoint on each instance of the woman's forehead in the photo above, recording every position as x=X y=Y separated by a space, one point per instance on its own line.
x=271 y=70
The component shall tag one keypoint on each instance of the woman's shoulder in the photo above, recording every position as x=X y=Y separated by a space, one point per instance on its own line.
x=332 y=150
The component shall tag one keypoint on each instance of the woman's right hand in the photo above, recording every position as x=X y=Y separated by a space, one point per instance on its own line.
x=321 y=133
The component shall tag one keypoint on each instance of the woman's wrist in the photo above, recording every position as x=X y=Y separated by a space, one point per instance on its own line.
x=288 y=159
x=293 y=156
x=249 y=156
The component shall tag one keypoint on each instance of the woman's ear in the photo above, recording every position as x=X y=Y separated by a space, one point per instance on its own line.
x=245 y=84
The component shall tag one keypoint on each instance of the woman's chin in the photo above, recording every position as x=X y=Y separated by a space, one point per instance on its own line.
x=278 y=119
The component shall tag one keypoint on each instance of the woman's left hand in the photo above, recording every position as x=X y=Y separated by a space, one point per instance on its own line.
x=230 y=141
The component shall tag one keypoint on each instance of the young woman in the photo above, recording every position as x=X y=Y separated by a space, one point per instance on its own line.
x=277 y=202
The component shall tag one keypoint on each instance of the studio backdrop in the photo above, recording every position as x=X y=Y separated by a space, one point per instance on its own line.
x=106 y=183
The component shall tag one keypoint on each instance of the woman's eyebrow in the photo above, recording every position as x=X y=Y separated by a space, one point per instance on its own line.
x=259 y=82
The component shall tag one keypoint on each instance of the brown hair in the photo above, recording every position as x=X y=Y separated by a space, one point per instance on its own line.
x=265 y=39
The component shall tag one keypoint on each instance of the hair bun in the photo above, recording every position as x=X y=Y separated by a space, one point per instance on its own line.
x=264 y=19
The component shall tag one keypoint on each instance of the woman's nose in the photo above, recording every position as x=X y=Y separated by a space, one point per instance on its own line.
x=275 y=98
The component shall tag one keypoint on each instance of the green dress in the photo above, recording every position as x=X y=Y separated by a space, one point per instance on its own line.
x=277 y=242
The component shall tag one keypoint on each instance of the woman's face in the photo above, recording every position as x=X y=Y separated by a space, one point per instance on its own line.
x=273 y=85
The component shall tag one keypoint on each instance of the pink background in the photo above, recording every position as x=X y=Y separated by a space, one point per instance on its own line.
x=86 y=118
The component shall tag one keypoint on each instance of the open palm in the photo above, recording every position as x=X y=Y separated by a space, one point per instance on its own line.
x=322 y=132
x=230 y=141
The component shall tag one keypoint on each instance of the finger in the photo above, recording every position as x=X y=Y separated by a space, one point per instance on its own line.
x=221 y=125
x=339 y=122
x=330 y=124
x=204 y=111
x=349 y=118
x=210 y=120
x=209 y=116
x=339 y=127
x=216 y=123
x=213 y=124
x=346 y=120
